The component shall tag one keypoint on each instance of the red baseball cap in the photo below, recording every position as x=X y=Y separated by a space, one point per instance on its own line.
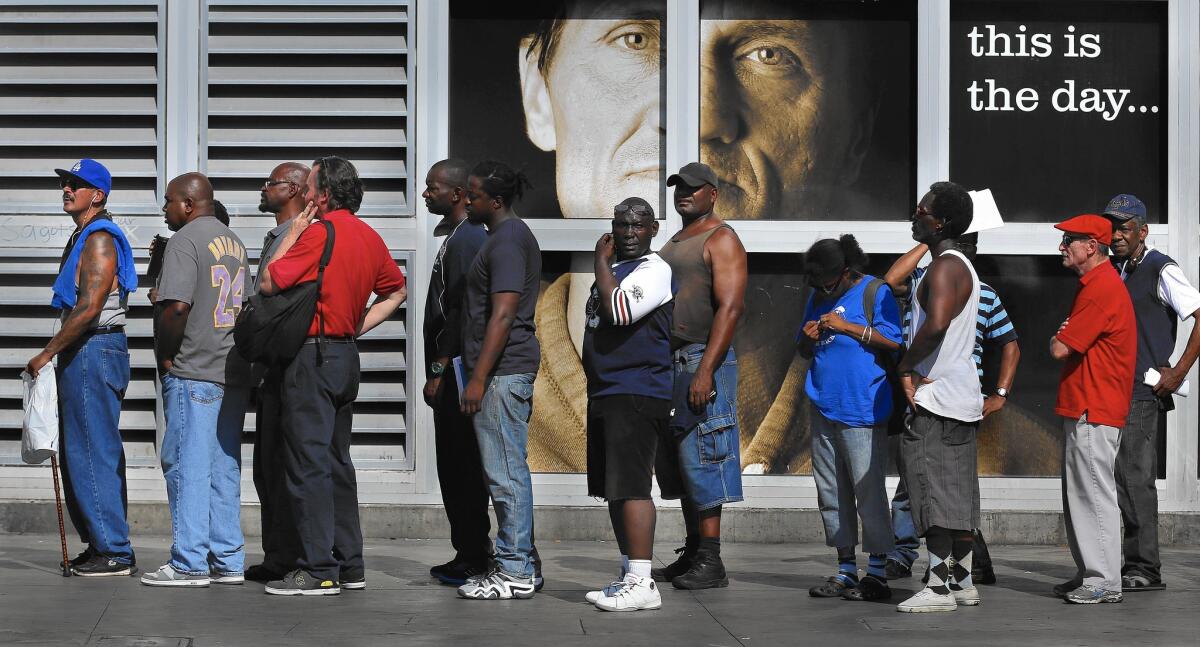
x=1089 y=224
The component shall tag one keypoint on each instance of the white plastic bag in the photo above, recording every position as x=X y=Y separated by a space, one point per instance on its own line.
x=39 y=428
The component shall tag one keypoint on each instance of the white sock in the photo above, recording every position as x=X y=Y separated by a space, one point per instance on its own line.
x=624 y=565
x=639 y=567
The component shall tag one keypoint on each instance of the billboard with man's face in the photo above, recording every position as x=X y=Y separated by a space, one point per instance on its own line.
x=806 y=113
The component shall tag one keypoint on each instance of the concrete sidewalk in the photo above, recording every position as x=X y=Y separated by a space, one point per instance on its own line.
x=766 y=604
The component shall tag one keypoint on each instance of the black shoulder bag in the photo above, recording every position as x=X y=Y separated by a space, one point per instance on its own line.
x=271 y=329
x=888 y=361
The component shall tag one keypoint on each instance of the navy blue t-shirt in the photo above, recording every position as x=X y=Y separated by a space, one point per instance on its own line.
x=631 y=354
x=845 y=381
x=510 y=261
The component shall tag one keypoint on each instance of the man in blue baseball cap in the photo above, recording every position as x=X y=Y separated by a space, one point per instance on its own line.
x=1162 y=297
x=91 y=293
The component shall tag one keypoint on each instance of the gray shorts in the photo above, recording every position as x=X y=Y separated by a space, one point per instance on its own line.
x=938 y=461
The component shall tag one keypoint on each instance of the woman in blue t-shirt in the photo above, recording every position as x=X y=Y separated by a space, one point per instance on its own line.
x=851 y=324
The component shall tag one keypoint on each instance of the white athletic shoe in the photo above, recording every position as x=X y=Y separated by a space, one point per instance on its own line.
x=927 y=600
x=968 y=597
x=610 y=590
x=634 y=594
x=498 y=585
x=167 y=576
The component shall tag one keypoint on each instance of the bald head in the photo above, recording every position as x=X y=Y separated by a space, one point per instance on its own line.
x=188 y=197
x=283 y=194
x=292 y=172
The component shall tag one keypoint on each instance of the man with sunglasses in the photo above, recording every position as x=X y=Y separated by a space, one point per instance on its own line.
x=1098 y=347
x=627 y=358
x=91 y=292
x=1162 y=296
x=282 y=195
x=993 y=328
x=320 y=384
x=937 y=450
x=701 y=464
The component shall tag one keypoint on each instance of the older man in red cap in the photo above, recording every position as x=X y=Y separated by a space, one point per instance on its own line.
x=1098 y=347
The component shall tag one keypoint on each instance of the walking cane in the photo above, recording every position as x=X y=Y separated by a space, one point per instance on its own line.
x=62 y=531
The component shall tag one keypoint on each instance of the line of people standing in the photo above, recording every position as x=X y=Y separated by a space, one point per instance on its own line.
x=662 y=382
x=304 y=472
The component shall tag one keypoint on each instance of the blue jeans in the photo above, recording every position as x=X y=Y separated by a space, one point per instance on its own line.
x=903 y=529
x=202 y=461
x=502 y=429
x=701 y=457
x=92 y=378
x=848 y=468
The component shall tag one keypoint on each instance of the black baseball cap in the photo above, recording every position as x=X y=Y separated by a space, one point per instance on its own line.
x=694 y=174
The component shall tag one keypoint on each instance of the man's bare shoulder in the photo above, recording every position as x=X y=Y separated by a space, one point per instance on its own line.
x=724 y=239
x=948 y=266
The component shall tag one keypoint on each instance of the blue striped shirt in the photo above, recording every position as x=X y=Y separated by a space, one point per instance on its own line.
x=992 y=324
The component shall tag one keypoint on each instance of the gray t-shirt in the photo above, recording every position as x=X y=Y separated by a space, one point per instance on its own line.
x=270 y=244
x=205 y=266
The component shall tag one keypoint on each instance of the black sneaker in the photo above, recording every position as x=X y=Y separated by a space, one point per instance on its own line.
x=707 y=572
x=456 y=573
x=436 y=572
x=895 y=570
x=298 y=582
x=680 y=566
x=80 y=559
x=353 y=582
x=983 y=575
x=263 y=573
x=103 y=566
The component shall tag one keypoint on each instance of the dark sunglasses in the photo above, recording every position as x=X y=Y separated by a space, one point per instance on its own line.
x=1067 y=239
x=920 y=211
x=73 y=184
x=638 y=209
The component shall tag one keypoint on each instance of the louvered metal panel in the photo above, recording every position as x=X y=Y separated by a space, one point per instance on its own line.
x=80 y=79
x=293 y=81
x=27 y=321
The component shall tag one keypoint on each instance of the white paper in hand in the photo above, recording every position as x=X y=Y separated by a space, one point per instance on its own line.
x=986 y=215
x=39 y=427
x=1152 y=377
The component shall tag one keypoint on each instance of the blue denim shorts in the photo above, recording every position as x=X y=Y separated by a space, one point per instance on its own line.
x=699 y=455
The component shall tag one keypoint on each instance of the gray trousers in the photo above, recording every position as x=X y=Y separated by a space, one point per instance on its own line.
x=938 y=460
x=1090 y=501
x=849 y=464
x=1137 y=495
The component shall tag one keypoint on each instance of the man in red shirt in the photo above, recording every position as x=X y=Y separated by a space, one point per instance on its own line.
x=1098 y=347
x=318 y=390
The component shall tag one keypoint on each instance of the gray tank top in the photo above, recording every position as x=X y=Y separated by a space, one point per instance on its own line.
x=113 y=312
x=694 y=303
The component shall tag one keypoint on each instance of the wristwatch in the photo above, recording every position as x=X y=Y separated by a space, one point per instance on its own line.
x=437 y=368
x=1002 y=392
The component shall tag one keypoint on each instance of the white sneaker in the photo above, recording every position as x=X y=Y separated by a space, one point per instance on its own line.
x=927 y=600
x=634 y=594
x=968 y=597
x=167 y=576
x=227 y=578
x=610 y=590
x=498 y=585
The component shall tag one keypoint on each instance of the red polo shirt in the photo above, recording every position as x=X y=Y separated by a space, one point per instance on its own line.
x=1098 y=377
x=359 y=266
